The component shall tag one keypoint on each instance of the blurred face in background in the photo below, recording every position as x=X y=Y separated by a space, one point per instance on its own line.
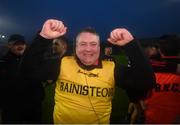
x=17 y=48
x=59 y=46
x=151 y=51
x=108 y=51
x=88 y=48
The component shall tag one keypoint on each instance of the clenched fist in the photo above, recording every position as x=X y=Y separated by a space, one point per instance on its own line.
x=52 y=29
x=120 y=37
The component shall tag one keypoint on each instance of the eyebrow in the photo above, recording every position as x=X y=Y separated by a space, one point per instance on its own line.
x=88 y=42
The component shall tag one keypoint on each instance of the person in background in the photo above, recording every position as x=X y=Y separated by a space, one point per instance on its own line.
x=162 y=107
x=55 y=52
x=11 y=82
x=53 y=55
x=85 y=82
x=57 y=49
x=152 y=51
x=108 y=51
x=60 y=46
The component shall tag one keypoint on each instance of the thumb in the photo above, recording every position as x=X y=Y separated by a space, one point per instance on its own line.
x=111 y=41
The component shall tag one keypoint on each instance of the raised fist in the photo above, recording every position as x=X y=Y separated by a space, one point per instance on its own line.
x=120 y=37
x=52 y=29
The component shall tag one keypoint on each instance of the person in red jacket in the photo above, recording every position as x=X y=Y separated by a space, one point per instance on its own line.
x=163 y=105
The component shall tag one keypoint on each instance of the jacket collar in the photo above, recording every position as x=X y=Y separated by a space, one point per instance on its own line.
x=91 y=67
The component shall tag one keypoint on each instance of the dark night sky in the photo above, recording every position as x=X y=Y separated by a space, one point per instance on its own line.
x=144 y=18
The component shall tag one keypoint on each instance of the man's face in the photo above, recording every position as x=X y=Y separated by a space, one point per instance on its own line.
x=58 y=46
x=88 y=48
x=18 y=48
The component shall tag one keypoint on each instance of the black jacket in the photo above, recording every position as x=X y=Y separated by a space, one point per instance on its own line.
x=15 y=88
x=11 y=83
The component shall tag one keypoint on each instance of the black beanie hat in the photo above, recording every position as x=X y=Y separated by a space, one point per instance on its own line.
x=16 y=38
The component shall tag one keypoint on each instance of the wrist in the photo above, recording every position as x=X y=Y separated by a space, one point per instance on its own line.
x=43 y=35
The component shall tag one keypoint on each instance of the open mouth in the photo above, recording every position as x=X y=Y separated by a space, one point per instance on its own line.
x=88 y=55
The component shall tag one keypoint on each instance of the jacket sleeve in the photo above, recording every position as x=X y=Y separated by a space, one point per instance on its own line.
x=138 y=77
x=34 y=66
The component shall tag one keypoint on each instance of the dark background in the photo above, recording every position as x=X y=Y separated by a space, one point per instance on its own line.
x=144 y=18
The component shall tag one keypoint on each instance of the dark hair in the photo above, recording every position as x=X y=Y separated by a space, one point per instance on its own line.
x=169 y=47
x=16 y=38
x=63 y=38
x=88 y=30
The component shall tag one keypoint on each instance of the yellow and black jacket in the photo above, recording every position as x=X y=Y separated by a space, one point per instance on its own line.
x=83 y=96
x=83 y=93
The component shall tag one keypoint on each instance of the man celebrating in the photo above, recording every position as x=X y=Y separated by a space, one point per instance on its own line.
x=84 y=82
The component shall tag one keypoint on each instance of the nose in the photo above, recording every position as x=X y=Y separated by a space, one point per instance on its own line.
x=88 y=47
